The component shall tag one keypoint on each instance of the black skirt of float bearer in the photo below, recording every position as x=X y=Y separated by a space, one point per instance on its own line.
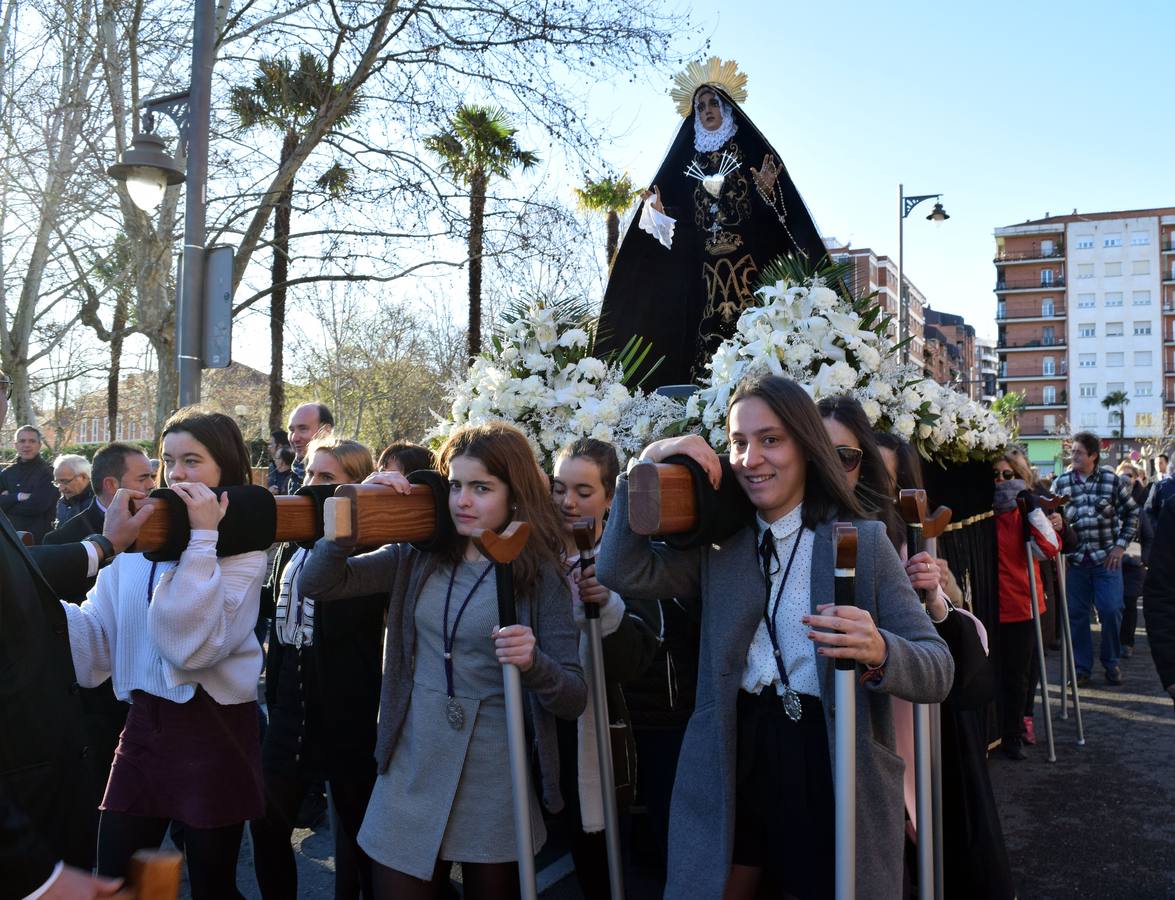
x=662 y=295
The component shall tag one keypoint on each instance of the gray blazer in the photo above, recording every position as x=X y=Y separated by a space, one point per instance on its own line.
x=728 y=589
x=555 y=682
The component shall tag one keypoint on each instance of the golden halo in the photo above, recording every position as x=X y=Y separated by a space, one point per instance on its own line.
x=724 y=75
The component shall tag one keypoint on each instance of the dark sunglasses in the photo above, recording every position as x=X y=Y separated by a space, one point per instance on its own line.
x=850 y=457
x=1005 y=474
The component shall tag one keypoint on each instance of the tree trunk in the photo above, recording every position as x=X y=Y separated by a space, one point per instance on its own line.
x=277 y=300
x=477 y=207
x=120 y=316
x=613 y=236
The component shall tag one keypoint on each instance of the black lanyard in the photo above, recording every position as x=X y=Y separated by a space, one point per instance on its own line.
x=767 y=553
x=151 y=582
x=447 y=638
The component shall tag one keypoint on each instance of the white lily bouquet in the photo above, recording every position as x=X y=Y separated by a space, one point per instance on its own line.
x=540 y=378
x=834 y=346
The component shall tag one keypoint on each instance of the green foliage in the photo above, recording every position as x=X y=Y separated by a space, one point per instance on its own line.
x=607 y=194
x=479 y=143
x=285 y=95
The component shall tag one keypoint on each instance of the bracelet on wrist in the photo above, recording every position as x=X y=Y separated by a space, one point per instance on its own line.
x=103 y=543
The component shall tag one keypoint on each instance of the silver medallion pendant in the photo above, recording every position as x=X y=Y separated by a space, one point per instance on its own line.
x=455 y=714
x=791 y=704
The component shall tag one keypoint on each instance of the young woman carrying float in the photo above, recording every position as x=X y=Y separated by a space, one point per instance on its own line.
x=753 y=800
x=177 y=638
x=443 y=790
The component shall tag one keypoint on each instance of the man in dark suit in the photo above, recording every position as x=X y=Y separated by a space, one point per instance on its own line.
x=45 y=801
x=27 y=493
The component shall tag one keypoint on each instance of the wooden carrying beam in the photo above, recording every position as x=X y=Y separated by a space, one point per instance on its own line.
x=152 y=875
x=913 y=507
x=296 y=521
x=661 y=499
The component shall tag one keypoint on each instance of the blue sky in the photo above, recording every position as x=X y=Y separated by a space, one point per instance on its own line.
x=1010 y=110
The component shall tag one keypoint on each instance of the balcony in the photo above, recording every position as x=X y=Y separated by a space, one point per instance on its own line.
x=1034 y=254
x=1168 y=246
x=1038 y=344
x=1054 y=405
x=1030 y=284
x=1169 y=278
x=1038 y=316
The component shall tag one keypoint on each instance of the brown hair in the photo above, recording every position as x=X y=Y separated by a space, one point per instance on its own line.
x=409 y=457
x=1092 y=445
x=220 y=435
x=1015 y=458
x=826 y=490
x=506 y=455
x=601 y=453
x=353 y=456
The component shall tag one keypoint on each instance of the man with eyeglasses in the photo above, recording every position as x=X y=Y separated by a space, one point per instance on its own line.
x=71 y=476
x=27 y=494
x=1104 y=517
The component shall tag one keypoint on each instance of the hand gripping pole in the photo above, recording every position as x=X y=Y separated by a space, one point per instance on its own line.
x=503 y=549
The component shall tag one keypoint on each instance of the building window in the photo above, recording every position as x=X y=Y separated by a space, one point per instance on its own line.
x=1142 y=389
x=1088 y=361
x=1142 y=328
x=1084 y=242
x=1113 y=387
x=1086 y=301
x=1114 y=329
x=1140 y=267
x=1087 y=390
x=1113 y=269
x=1115 y=360
x=1087 y=330
x=1142 y=358
x=1048 y=366
x=1112 y=240
x=1088 y=420
x=1144 y=420
x=1085 y=270
x=1001 y=310
x=1004 y=373
x=1046 y=307
x=1050 y=421
x=1113 y=299
x=1139 y=239
x=1141 y=298
x=1049 y=394
x=1046 y=276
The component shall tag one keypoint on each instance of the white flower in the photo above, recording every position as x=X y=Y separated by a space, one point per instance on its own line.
x=573 y=337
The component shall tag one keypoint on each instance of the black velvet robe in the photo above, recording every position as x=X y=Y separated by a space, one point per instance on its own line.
x=686 y=299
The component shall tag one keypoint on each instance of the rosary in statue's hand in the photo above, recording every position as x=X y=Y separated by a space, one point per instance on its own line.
x=766 y=176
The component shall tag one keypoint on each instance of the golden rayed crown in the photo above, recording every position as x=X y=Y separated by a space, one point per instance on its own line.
x=724 y=75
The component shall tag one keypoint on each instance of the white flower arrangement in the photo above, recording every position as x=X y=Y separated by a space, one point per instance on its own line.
x=834 y=346
x=539 y=378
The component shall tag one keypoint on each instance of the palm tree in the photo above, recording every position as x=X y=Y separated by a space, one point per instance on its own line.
x=611 y=196
x=1118 y=399
x=478 y=145
x=286 y=97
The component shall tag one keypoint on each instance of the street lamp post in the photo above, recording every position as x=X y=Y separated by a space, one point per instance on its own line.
x=938 y=216
x=148 y=171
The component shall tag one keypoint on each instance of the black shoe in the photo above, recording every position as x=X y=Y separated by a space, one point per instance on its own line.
x=1082 y=679
x=1113 y=676
x=1013 y=749
x=312 y=813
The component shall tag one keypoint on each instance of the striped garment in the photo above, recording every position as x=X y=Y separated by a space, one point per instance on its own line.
x=1101 y=511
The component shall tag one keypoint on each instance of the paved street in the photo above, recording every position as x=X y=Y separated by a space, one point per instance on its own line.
x=1098 y=823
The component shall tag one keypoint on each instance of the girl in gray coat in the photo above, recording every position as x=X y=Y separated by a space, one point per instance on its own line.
x=753 y=800
x=443 y=790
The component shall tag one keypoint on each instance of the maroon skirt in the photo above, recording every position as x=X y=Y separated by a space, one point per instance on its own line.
x=198 y=762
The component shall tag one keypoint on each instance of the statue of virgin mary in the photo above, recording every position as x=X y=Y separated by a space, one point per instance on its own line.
x=720 y=208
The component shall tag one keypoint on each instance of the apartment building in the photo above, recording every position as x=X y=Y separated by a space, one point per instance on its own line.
x=1085 y=308
x=988 y=362
x=964 y=370
x=873 y=272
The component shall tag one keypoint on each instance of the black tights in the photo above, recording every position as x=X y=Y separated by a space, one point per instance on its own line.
x=211 y=852
x=482 y=881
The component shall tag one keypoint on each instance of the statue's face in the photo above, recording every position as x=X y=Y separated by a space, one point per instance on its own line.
x=708 y=110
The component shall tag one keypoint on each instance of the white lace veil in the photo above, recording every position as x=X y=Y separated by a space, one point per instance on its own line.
x=709 y=141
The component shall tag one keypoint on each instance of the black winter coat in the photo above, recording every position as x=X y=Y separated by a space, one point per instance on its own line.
x=34 y=477
x=1158 y=597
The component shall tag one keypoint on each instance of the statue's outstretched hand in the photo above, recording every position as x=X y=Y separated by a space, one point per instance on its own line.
x=655 y=193
x=766 y=176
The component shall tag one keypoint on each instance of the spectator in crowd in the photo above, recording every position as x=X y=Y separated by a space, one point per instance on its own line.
x=322 y=687
x=46 y=849
x=307 y=422
x=27 y=494
x=71 y=476
x=115 y=466
x=278 y=438
x=405 y=458
x=1158 y=600
x=1105 y=518
x=281 y=471
x=1160 y=467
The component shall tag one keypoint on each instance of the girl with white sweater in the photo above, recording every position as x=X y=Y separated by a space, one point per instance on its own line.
x=177 y=639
